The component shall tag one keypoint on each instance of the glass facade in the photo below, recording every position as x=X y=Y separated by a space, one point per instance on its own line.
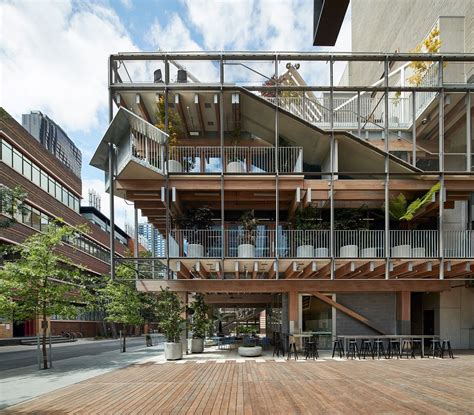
x=13 y=158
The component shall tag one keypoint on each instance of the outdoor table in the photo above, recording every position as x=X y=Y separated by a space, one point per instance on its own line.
x=393 y=336
x=307 y=334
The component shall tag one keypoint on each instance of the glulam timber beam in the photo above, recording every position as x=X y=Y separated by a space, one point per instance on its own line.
x=282 y=285
x=377 y=272
x=311 y=268
x=347 y=268
x=201 y=271
x=291 y=271
x=182 y=271
x=142 y=107
x=323 y=272
x=361 y=270
x=459 y=269
x=401 y=269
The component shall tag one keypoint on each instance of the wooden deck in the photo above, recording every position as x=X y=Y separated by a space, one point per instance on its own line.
x=270 y=387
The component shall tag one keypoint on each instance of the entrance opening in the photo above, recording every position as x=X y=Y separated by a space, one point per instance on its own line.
x=317 y=319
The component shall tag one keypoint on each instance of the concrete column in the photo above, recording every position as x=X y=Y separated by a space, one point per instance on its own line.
x=404 y=312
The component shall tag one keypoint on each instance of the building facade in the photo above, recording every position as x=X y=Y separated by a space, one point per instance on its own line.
x=53 y=191
x=54 y=139
x=155 y=243
x=339 y=209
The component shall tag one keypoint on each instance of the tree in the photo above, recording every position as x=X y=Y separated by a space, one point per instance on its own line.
x=201 y=321
x=122 y=302
x=169 y=315
x=11 y=204
x=43 y=282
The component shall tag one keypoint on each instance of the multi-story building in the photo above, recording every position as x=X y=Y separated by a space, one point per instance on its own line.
x=53 y=191
x=340 y=209
x=54 y=139
x=155 y=243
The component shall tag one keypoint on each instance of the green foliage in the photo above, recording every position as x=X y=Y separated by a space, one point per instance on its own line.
x=122 y=301
x=174 y=121
x=197 y=219
x=11 y=205
x=249 y=224
x=309 y=219
x=201 y=322
x=42 y=281
x=398 y=209
x=169 y=309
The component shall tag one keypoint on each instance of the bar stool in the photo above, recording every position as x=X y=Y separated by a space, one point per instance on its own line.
x=446 y=344
x=353 y=349
x=393 y=347
x=278 y=345
x=436 y=350
x=338 y=346
x=366 y=348
x=379 y=348
x=416 y=344
x=292 y=348
x=407 y=346
x=311 y=349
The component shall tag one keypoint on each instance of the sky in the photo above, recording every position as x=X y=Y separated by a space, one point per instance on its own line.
x=53 y=54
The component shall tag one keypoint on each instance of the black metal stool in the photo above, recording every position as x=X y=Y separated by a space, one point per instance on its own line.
x=436 y=350
x=353 y=349
x=338 y=346
x=379 y=348
x=311 y=350
x=446 y=344
x=366 y=348
x=393 y=347
x=407 y=347
x=292 y=348
x=416 y=345
x=278 y=346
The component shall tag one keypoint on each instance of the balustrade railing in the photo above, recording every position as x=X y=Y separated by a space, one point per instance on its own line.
x=236 y=159
x=262 y=243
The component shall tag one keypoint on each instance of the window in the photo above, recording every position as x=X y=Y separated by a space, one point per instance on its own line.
x=27 y=169
x=27 y=216
x=17 y=162
x=58 y=191
x=35 y=218
x=44 y=181
x=65 y=196
x=6 y=153
x=52 y=187
x=35 y=175
x=44 y=222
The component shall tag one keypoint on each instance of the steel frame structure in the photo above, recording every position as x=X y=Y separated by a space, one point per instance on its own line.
x=221 y=58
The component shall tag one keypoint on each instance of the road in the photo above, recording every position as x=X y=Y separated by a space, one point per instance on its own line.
x=27 y=357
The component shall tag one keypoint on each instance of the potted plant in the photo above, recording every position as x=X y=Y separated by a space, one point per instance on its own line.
x=246 y=248
x=195 y=223
x=307 y=222
x=234 y=163
x=199 y=325
x=169 y=310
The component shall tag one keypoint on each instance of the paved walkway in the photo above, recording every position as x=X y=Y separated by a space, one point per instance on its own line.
x=208 y=385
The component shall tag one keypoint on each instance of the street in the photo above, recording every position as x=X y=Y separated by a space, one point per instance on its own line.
x=24 y=356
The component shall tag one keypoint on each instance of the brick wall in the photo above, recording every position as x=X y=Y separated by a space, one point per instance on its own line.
x=380 y=308
x=6 y=330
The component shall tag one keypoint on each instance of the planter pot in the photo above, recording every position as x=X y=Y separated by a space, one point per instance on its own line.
x=368 y=253
x=418 y=252
x=174 y=166
x=196 y=345
x=173 y=351
x=349 y=251
x=246 y=251
x=235 y=167
x=195 y=251
x=321 y=253
x=401 y=251
x=305 y=251
x=250 y=351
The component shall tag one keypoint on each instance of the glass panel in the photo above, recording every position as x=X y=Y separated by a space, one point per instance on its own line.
x=17 y=162
x=58 y=191
x=44 y=222
x=35 y=175
x=27 y=169
x=317 y=318
x=52 y=187
x=7 y=153
x=44 y=181
x=36 y=219
x=65 y=196
x=27 y=216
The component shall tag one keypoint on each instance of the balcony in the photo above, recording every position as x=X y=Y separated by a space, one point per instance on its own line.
x=403 y=244
x=236 y=159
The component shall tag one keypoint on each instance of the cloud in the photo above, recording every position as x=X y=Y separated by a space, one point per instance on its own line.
x=54 y=59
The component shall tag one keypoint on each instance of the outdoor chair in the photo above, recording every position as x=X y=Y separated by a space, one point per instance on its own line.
x=366 y=348
x=338 y=346
x=311 y=349
x=393 y=348
x=353 y=349
x=379 y=348
x=446 y=345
